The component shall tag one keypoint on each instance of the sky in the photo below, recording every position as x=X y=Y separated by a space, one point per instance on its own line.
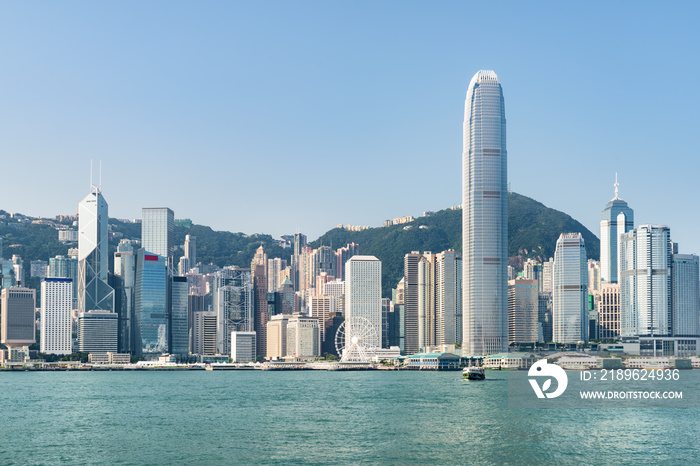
x=277 y=116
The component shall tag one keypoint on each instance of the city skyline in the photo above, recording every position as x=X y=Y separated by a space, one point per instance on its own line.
x=93 y=108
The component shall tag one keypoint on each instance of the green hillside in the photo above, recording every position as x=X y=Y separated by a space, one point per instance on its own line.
x=533 y=230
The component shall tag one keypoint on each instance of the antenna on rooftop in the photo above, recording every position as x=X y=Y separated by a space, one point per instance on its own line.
x=617 y=185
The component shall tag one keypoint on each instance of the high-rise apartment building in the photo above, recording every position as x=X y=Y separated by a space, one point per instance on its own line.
x=410 y=287
x=617 y=218
x=547 y=274
x=94 y=293
x=685 y=283
x=274 y=273
x=258 y=268
x=570 y=293
x=523 y=311
x=56 y=320
x=343 y=255
x=427 y=300
x=299 y=244
x=645 y=282
x=363 y=293
x=484 y=218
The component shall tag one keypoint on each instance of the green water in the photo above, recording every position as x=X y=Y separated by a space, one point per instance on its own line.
x=245 y=417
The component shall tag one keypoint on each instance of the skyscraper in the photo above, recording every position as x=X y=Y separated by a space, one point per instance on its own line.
x=178 y=334
x=56 y=320
x=158 y=232
x=484 y=218
x=685 y=281
x=645 y=282
x=363 y=293
x=94 y=293
x=617 y=218
x=570 y=293
x=150 y=327
x=191 y=250
x=523 y=311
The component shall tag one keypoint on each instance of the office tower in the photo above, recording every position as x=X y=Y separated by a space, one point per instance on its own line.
x=594 y=278
x=18 y=266
x=243 y=346
x=485 y=218
x=299 y=243
x=286 y=304
x=183 y=266
x=258 y=268
x=685 y=282
x=449 y=298
x=303 y=337
x=304 y=269
x=617 y=218
x=38 y=269
x=277 y=336
x=523 y=311
x=343 y=255
x=547 y=274
x=158 y=232
x=124 y=280
x=397 y=324
x=322 y=307
x=427 y=300
x=645 y=282
x=190 y=251
x=274 y=272
x=65 y=267
x=56 y=320
x=7 y=272
x=544 y=316
x=150 y=325
x=17 y=317
x=363 y=293
x=410 y=283
x=609 y=311
x=98 y=332
x=570 y=293
x=233 y=303
x=178 y=337
x=386 y=309
x=204 y=332
x=94 y=293
x=532 y=270
x=323 y=260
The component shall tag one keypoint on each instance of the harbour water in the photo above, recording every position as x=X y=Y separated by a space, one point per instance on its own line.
x=248 y=417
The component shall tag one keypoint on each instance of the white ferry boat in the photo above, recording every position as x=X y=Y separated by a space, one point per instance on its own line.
x=473 y=373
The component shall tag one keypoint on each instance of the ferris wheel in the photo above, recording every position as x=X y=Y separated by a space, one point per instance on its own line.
x=356 y=340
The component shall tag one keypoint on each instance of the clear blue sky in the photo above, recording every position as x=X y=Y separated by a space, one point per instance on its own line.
x=279 y=116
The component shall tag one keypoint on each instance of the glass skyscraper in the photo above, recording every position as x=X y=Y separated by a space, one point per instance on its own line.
x=94 y=293
x=158 y=231
x=485 y=218
x=616 y=219
x=150 y=326
x=570 y=290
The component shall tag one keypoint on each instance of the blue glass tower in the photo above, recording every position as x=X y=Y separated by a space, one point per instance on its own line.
x=616 y=219
x=150 y=304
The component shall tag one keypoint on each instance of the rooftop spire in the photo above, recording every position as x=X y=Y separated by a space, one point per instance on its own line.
x=617 y=185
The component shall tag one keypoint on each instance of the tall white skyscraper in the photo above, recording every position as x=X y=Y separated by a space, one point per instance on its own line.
x=485 y=218
x=363 y=292
x=93 y=261
x=570 y=290
x=56 y=320
x=617 y=218
x=645 y=281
